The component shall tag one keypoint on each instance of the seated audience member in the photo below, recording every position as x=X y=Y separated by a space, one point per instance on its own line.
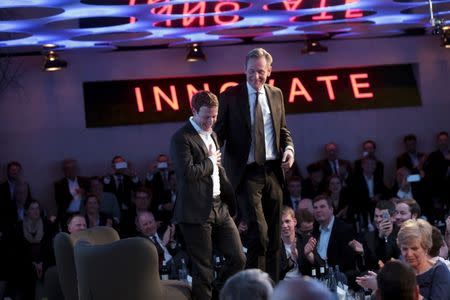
x=447 y=232
x=167 y=246
x=397 y=281
x=314 y=185
x=406 y=209
x=439 y=249
x=166 y=203
x=411 y=158
x=122 y=183
x=380 y=244
x=305 y=224
x=32 y=249
x=14 y=174
x=108 y=201
x=157 y=179
x=141 y=202
x=305 y=203
x=340 y=197
x=93 y=215
x=369 y=148
x=301 y=289
x=367 y=189
x=293 y=195
x=290 y=245
x=330 y=240
x=414 y=239
x=247 y=284
x=437 y=175
x=333 y=165
x=69 y=192
x=76 y=223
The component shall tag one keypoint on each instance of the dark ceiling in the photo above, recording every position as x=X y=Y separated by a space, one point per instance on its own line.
x=25 y=26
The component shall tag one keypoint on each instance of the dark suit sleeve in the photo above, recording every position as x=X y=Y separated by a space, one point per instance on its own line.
x=220 y=128
x=182 y=155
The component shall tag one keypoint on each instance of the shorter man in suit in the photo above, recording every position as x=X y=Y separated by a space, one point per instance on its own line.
x=332 y=164
x=204 y=197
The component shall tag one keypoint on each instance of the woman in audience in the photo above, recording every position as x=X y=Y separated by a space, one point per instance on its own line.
x=406 y=209
x=33 y=249
x=93 y=215
x=339 y=196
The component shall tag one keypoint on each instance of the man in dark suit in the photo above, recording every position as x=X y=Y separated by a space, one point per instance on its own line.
x=69 y=192
x=333 y=165
x=258 y=146
x=411 y=158
x=204 y=197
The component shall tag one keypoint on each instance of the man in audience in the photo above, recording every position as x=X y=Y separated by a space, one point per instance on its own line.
x=108 y=201
x=369 y=148
x=380 y=244
x=332 y=164
x=14 y=174
x=290 y=245
x=141 y=203
x=406 y=209
x=69 y=191
x=314 y=185
x=302 y=289
x=397 y=281
x=249 y=284
x=330 y=240
x=293 y=196
x=305 y=225
x=122 y=183
x=411 y=158
x=166 y=203
x=76 y=223
x=157 y=179
x=305 y=203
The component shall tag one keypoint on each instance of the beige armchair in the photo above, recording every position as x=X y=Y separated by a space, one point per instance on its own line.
x=64 y=255
x=125 y=269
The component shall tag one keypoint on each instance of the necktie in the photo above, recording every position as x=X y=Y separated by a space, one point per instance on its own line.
x=336 y=167
x=260 y=145
x=120 y=186
x=159 y=249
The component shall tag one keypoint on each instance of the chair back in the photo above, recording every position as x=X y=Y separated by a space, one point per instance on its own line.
x=64 y=255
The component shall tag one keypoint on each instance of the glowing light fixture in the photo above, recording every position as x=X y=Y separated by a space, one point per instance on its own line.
x=53 y=62
x=195 y=53
x=312 y=47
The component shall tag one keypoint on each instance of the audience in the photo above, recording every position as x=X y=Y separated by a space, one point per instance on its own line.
x=406 y=209
x=333 y=165
x=411 y=158
x=290 y=246
x=248 y=284
x=108 y=201
x=369 y=148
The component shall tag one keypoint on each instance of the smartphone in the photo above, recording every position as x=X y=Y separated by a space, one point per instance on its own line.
x=413 y=178
x=121 y=165
x=386 y=215
x=162 y=165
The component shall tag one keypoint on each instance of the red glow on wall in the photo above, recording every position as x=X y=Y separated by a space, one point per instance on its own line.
x=353 y=13
x=356 y=86
x=323 y=15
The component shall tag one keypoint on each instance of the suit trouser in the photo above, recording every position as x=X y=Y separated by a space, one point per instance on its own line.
x=261 y=198
x=220 y=231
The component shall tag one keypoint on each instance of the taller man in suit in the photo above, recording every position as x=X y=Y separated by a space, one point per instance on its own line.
x=204 y=197
x=258 y=146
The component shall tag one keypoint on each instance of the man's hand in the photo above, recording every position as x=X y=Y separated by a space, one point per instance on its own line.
x=242 y=227
x=217 y=156
x=310 y=246
x=385 y=228
x=356 y=246
x=287 y=160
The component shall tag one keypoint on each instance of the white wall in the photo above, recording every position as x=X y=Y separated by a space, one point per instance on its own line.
x=42 y=114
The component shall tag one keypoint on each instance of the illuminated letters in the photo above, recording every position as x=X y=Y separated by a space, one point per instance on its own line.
x=360 y=85
x=327 y=80
x=157 y=92
x=296 y=83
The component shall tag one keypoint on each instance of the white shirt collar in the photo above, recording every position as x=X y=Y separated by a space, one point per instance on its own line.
x=197 y=128
x=252 y=91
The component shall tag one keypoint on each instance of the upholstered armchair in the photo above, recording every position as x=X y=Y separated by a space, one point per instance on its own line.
x=125 y=269
x=64 y=255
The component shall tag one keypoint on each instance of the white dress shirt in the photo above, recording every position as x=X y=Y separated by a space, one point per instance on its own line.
x=324 y=240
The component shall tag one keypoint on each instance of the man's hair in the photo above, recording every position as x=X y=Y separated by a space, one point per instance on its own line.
x=414 y=207
x=304 y=215
x=437 y=241
x=116 y=157
x=13 y=163
x=248 y=284
x=409 y=137
x=204 y=98
x=301 y=289
x=323 y=197
x=286 y=210
x=396 y=281
x=257 y=53
x=370 y=142
x=442 y=133
x=386 y=204
x=139 y=215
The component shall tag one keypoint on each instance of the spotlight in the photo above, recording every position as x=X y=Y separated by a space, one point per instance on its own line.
x=195 y=53
x=445 y=37
x=312 y=47
x=53 y=63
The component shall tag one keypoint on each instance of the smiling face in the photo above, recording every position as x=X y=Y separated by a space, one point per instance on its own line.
x=402 y=213
x=206 y=117
x=257 y=70
x=288 y=224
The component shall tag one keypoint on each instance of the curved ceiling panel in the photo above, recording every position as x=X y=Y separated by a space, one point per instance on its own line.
x=28 y=12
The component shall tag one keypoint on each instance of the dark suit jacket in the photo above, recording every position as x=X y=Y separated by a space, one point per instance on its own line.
x=362 y=202
x=63 y=195
x=404 y=160
x=233 y=127
x=343 y=165
x=128 y=187
x=193 y=169
x=379 y=170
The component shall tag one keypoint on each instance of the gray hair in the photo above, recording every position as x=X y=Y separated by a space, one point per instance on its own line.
x=248 y=284
x=304 y=289
x=257 y=53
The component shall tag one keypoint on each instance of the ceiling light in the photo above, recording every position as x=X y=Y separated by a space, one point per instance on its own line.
x=195 y=53
x=53 y=63
x=445 y=37
x=312 y=47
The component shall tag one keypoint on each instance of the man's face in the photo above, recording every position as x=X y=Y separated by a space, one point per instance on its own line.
x=369 y=148
x=295 y=188
x=14 y=172
x=257 y=71
x=369 y=166
x=443 y=142
x=322 y=211
x=96 y=186
x=70 y=169
x=378 y=216
x=288 y=224
x=331 y=151
x=206 y=117
x=410 y=146
x=77 y=224
x=402 y=213
x=306 y=204
x=142 y=201
x=147 y=224
x=118 y=160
